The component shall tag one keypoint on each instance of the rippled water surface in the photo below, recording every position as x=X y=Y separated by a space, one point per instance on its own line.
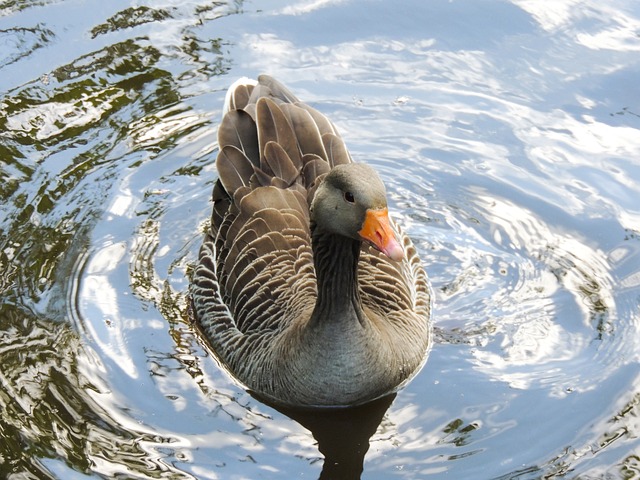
x=508 y=133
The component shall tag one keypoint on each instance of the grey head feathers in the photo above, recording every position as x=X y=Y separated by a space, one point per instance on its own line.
x=342 y=199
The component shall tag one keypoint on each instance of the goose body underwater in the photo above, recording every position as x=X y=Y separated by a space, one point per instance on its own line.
x=305 y=289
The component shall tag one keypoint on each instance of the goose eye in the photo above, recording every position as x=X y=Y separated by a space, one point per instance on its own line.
x=348 y=196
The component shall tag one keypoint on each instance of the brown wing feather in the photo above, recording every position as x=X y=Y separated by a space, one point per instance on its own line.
x=239 y=130
x=234 y=168
x=387 y=286
x=282 y=166
x=314 y=167
x=277 y=89
x=323 y=123
x=336 y=149
x=273 y=126
x=240 y=97
x=306 y=130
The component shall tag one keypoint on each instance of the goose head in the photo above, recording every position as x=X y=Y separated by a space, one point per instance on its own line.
x=351 y=201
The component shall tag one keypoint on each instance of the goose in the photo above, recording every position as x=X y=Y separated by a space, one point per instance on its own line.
x=305 y=290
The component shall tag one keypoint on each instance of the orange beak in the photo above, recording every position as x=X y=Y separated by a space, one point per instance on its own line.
x=377 y=230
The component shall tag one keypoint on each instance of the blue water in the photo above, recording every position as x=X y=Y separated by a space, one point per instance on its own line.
x=508 y=134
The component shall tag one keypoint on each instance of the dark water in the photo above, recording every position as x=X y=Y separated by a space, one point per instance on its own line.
x=508 y=134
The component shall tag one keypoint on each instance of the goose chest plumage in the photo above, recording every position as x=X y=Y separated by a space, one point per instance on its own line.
x=305 y=289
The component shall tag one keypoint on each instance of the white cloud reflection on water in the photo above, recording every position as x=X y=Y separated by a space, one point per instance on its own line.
x=610 y=26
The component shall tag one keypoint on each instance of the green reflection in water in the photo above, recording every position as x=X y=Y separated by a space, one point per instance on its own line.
x=65 y=139
x=128 y=18
x=46 y=410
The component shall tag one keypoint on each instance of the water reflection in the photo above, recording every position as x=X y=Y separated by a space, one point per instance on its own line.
x=20 y=42
x=50 y=409
x=342 y=434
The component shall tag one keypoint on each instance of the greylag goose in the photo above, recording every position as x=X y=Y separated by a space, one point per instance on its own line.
x=306 y=291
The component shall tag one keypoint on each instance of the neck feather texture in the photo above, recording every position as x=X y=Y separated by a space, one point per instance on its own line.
x=336 y=264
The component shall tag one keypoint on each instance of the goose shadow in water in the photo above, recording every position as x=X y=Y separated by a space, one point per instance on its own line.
x=342 y=434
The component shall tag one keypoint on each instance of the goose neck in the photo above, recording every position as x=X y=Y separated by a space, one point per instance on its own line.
x=336 y=264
